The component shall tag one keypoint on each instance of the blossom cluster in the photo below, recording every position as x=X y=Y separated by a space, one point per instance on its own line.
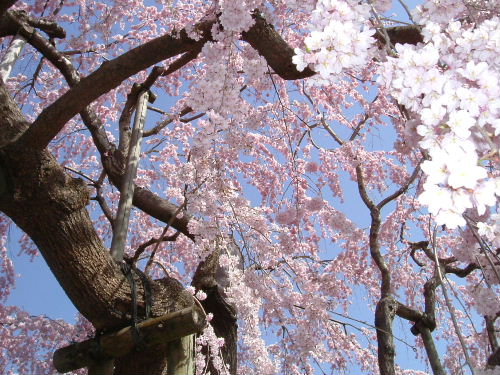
x=339 y=39
x=491 y=232
x=451 y=82
x=237 y=15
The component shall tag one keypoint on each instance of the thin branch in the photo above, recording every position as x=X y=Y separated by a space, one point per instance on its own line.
x=100 y=199
x=402 y=189
x=150 y=242
x=162 y=236
x=362 y=322
x=80 y=174
x=166 y=122
x=450 y=306
x=362 y=189
x=407 y=10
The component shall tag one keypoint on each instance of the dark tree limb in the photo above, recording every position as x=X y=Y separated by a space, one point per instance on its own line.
x=9 y=24
x=430 y=349
x=401 y=34
x=494 y=359
x=263 y=37
x=113 y=160
x=491 y=331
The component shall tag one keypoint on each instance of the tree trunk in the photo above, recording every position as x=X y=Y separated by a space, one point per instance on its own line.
x=50 y=206
x=384 y=315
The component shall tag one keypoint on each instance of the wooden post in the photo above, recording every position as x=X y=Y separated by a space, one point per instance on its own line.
x=128 y=186
x=10 y=58
x=166 y=328
x=180 y=360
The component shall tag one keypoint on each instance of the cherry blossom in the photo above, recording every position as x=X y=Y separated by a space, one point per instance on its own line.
x=326 y=185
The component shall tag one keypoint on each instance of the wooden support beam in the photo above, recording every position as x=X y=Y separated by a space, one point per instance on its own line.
x=11 y=56
x=147 y=334
x=181 y=356
x=128 y=186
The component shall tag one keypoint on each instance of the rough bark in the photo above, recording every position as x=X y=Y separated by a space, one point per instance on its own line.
x=384 y=316
x=50 y=206
x=263 y=37
x=63 y=232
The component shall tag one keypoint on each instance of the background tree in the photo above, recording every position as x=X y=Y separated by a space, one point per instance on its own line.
x=298 y=147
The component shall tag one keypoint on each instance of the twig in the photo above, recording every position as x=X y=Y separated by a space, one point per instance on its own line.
x=150 y=242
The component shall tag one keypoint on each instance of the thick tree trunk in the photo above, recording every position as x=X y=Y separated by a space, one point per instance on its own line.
x=50 y=206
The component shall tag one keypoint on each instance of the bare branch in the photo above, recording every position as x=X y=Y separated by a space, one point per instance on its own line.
x=10 y=20
x=402 y=189
x=167 y=121
x=362 y=189
x=148 y=243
